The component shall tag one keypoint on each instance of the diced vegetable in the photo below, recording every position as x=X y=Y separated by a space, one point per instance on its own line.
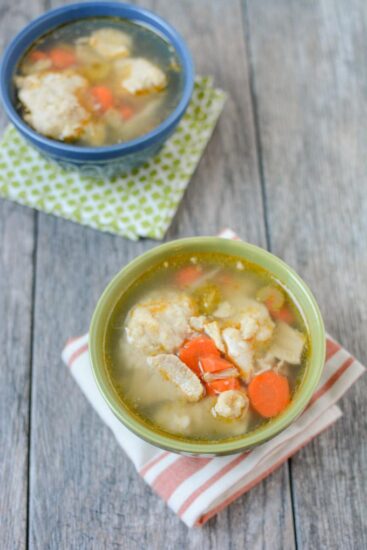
x=218 y=386
x=37 y=55
x=272 y=297
x=269 y=393
x=224 y=278
x=213 y=363
x=188 y=275
x=207 y=298
x=103 y=97
x=62 y=58
x=193 y=350
x=126 y=111
x=284 y=314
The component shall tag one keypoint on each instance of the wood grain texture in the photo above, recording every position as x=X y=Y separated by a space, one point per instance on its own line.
x=309 y=62
x=84 y=493
x=306 y=114
x=16 y=278
x=17 y=243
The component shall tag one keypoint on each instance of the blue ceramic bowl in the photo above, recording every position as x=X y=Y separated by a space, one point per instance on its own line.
x=95 y=161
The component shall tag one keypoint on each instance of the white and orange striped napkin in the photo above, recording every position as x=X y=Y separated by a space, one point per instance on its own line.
x=198 y=488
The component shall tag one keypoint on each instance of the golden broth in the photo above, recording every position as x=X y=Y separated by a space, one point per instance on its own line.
x=157 y=401
x=111 y=113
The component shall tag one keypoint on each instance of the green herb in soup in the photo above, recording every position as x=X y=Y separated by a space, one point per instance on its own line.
x=206 y=347
x=98 y=81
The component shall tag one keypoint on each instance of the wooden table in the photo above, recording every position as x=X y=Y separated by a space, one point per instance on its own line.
x=286 y=169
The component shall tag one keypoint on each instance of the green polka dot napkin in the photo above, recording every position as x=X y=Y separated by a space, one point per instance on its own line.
x=139 y=203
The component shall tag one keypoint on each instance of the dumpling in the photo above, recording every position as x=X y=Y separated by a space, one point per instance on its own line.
x=160 y=324
x=256 y=322
x=139 y=75
x=51 y=103
x=110 y=43
x=231 y=404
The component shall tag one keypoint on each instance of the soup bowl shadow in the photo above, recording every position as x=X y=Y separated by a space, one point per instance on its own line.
x=105 y=161
x=281 y=271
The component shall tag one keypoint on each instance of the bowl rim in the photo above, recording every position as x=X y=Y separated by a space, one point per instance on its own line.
x=220 y=447
x=127 y=11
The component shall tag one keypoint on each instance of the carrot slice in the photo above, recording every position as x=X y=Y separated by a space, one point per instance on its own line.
x=218 y=386
x=193 y=350
x=126 y=112
x=269 y=393
x=62 y=58
x=188 y=275
x=284 y=314
x=213 y=363
x=272 y=297
x=103 y=97
x=37 y=55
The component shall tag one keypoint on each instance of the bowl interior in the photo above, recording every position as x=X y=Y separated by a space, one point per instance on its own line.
x=281 y=271
x=54 y=18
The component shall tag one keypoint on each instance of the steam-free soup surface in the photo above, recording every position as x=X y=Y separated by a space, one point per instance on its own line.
x=98 y=81
x=206 y=347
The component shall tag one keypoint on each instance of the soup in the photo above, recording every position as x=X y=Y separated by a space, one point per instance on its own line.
x=98 y=81
x=206 y=347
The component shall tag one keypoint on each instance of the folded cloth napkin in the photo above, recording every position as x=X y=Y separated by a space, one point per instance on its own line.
x=198 y=488
x=138 y=203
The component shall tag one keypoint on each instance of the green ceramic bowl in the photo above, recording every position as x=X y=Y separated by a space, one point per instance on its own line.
x=281 y=271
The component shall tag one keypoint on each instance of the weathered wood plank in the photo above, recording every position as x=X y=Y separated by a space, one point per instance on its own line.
x=16 y=278
x=310 y=66
x=17 y=244
x=84 y=492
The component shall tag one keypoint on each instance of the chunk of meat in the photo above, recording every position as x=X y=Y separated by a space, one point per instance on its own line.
x=256 y=322
x=174 y=370
x=239 y=351
x=288 y=344
x=231 y=404
x=110 y=43
x=160 y=325
x=139 y=75
x=197 y=323
x=223 y=311
x=51 y=103
x=264 y=363
x=212 y=330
